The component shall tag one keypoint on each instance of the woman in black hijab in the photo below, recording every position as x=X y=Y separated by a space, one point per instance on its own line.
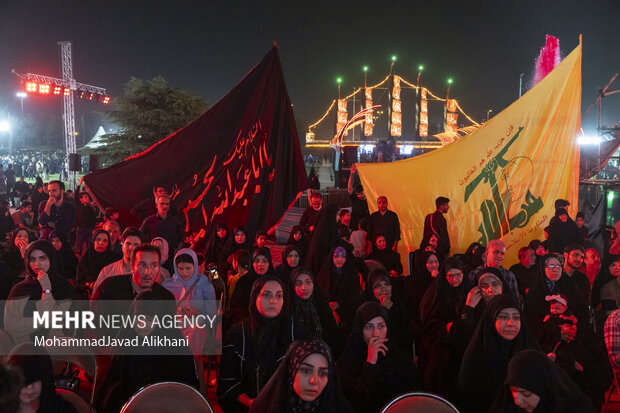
x=426 y=268
x=218 y=247
x=310 y=311
x=536 y=384
x=501 y=333
x=603 y=277
x=442 y=347
x=291 y=259
x=473 y=257
x=339 y=282
x=552 y=280
x=254 y=347
x=386 y=256
x=39 y=393
x=589 y=351
x=98 y=254
x=372 y=370
x=239 y=302
x=42 y=282
x=379 y=288
x=14 y=255
x=240 y=240
x=67 y=261
x=298 y=237
x=306 y=381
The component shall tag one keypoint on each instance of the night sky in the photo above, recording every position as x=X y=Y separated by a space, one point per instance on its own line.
x=208 y=46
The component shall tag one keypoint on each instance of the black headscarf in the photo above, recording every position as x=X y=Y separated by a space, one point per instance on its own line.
x=67 y=261
x=441 y=299
x=533 y=371
x=247 y=244
x=307 y=311
x=265 y=332
x=30 y=286
x=218 y=249
x=387 y=256
x=284 y=269
x=488 y=352
x=13 y=255
x=473 y=256
x=278 y=396
x=303 y=241
x=36 y=365
x=356 y=348
x=92 y=262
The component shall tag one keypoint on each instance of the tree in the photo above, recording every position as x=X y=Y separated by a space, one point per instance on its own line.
x=148 y=111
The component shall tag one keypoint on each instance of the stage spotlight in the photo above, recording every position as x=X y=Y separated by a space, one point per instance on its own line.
x=57 y=90
x=67 y=91
x=106 y=100
x=44 y=89
x=31 y=87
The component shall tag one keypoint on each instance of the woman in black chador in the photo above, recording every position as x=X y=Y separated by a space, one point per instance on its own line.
x=443 y=345
x=310 y=311
x=372 y=371
x=536 y=384
x=254 y=347
x=500 y=334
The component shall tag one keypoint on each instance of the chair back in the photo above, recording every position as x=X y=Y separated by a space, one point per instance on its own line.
x=82 y=357
x=6 y=343
x=419 y=403
x=167 y=397
x=81 y=405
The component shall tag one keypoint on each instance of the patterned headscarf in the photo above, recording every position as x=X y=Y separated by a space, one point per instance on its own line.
x=306 y=348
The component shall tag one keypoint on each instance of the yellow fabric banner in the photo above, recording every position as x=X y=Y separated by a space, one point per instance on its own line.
x=502 y=180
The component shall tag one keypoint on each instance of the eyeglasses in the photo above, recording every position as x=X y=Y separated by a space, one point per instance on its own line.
x=554 y=266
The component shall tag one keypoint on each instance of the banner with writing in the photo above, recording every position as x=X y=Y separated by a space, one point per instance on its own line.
x=502 y=180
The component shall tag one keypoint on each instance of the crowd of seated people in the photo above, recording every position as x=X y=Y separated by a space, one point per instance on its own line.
x=332 y=323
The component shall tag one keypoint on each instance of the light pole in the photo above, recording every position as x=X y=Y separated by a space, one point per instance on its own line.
x=488 y=113
x=22 y=96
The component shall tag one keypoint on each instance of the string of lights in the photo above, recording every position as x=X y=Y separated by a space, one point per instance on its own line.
x=356 y=91
x=465 y=114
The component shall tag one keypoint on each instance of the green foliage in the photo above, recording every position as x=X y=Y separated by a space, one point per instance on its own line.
x=148 y=111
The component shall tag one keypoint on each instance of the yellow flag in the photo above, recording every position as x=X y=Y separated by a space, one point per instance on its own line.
x=502 y=180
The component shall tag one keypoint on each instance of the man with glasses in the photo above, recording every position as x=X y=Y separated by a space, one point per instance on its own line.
x=164 y=224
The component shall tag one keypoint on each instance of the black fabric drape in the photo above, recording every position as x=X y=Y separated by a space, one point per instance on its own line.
x=239 y=162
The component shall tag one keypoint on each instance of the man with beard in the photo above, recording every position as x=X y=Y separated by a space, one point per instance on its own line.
x=386 y=223
x=308 y=219
x=573 y=259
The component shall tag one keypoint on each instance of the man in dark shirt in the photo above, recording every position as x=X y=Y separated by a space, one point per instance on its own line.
x=525 y=270
x=85 y=220
x=583 y=230
x=145 y=268
x=146 y=207
x=435 y=223
x=386 y=223
x=163 y=224
x=56 y=213
x=308 y=219
x=573 y=260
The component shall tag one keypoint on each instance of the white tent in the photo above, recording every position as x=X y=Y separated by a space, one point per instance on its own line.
x=96 y=141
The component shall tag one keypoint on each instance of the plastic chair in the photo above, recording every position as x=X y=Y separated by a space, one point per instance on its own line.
x=81 y=405
x=81 y=357
x=419 y=403
x=167 y=397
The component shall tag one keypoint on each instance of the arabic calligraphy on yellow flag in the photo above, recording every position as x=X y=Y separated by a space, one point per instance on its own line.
x=502 y=180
